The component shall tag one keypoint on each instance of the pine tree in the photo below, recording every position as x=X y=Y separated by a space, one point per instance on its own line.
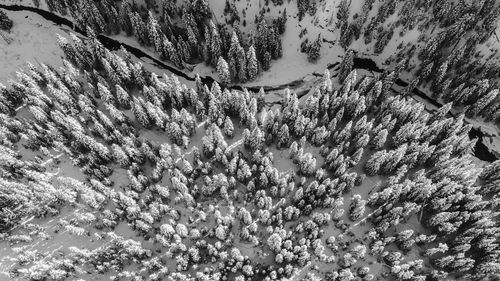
x=153 y=30
x=383 y=39
x=346 y=65
x=379 y=140
x=373 y=165
x=105 y=94
x=283 y=136
x=252 y=64
x=482 y=103
x=140 y=112
x=357 y=207
x=140 y=29
x=266 y=61
x=234 y=46
x=123 y=97
x=242 y=63
x=223 y=71
x=216 y=44
x=280 y=22
x=342 y=13
x=407 y=91
x=201 y=9
x=183 y=49
x=228 y=127
x=313 y=52
x=171 y=53
x=192 y=40
x=441 y=72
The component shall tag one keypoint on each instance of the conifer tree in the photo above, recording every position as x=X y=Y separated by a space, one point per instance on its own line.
x=342 y=13
x=283 y=136
x=201 y=9
x=153 y=30
x=346 y=65
x=216 y=44
x=379 y=140
x=313 y=52
x=228 y=127
x=266 y=61
x=223 y=71
x=242 y=63
x=140 y=29
x=234 y=46
x=357 y=207
x=252 y=64
x=482 y=103
x=123 y=97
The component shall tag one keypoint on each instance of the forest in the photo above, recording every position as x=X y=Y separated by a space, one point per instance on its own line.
x=156 y=141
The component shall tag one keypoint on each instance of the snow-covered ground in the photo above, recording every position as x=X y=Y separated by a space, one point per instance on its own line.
x=31 y=39
x=35 y=41
x=31 y=32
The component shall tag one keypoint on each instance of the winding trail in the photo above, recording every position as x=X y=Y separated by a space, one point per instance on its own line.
x=480 y=151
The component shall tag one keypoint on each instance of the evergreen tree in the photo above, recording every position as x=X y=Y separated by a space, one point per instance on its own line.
x=313 y=52
x=266 y=61
x=283 y=136
x=342 y=13
x=123 y=97
x=357 y=207
x=153 y=30
x=242 y=63
x=223 y=71
x=379 y=140
x=482 y=103
x=233 y=54
x=252 y=64
x=346 y=65
x=201 y=9
x=216 y=44
x=228 y=127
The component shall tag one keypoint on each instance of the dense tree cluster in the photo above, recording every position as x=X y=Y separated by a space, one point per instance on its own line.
x=214 y=184
x=184 y=34
x=449 y=43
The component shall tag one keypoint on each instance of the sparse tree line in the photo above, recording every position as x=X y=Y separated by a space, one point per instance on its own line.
x=97 y=108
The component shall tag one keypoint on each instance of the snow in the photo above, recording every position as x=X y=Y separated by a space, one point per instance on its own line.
x=32 y=39
x=293 y=66
x=148 y=63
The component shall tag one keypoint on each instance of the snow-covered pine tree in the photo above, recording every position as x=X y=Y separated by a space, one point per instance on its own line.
x=223 y=71
x=346 y=65
x=216 y=43
x=154 y=32
x=283 y=136
x=482 y=103
x=357 y=207
x=228 y=128
x=266 y=61
x=252 y=63
x=313 y=52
